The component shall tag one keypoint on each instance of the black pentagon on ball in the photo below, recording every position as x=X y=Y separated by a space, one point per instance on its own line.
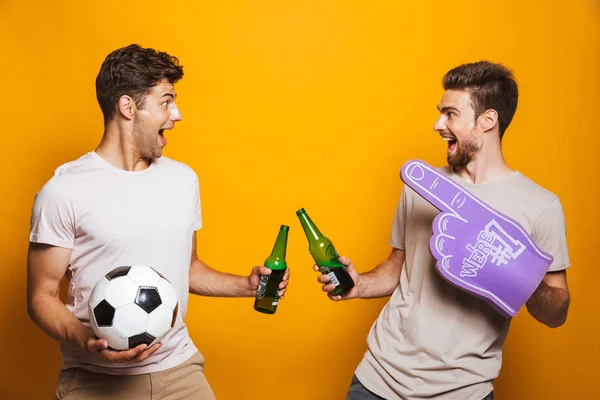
x=142 y=338
x=117 y=272
x=148 y=298
x=104 y=313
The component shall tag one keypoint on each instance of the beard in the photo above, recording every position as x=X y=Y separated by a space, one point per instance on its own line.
x=145 y=139
x=464 y=154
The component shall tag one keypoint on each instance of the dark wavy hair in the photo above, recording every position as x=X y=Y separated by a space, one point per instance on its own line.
x=490 y=86
x=133 y=71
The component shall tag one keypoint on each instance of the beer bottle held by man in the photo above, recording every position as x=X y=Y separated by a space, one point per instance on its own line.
x=267 y=296
x=325 y=255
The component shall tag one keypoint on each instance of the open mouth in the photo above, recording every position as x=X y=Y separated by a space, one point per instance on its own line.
x=162 y=136
x=451 y=142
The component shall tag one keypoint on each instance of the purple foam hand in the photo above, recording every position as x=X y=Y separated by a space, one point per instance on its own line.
x=477 y=248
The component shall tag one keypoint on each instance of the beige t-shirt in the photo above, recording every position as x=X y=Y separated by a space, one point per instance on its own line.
x=433 y=340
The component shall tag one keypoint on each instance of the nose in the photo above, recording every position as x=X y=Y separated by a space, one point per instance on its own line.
x=440 y=124
x=175 y=114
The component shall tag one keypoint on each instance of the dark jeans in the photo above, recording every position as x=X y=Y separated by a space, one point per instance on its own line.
x=357 y=391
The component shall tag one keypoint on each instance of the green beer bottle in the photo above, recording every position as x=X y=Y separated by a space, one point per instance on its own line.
x=325 y=255
x=266 y=294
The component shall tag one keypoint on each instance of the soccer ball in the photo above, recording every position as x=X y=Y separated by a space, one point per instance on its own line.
x=132 y=305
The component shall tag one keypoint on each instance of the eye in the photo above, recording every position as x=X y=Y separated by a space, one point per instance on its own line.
x=165 y=103
x=451 y=114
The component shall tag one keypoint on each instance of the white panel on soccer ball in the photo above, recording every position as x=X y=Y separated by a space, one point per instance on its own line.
x=130 y=320
x=115 y=339
x=93 y=320
x=98 y=292
x=143 y=276
x=159 y=320
x=160 y=338
x=121 y=291
x=167 y=293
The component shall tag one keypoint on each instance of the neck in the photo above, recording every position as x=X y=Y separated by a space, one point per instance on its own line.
x=117 y=148
x=486 y=166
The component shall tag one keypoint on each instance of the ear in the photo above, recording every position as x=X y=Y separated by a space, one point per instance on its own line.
x=126 y=107
x=488 y=120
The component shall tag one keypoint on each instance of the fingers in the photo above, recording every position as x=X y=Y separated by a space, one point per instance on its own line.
x=334 y=298
x=124 y=355
x=434 y=186
x=95 y=345
x=260 y=270
x=346 y=261
x=148 y=352
x=137 y=354
x=324 y=279
x=328 y=288
x=285 y=280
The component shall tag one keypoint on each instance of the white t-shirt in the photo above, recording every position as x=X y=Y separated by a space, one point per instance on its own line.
x=111 y=218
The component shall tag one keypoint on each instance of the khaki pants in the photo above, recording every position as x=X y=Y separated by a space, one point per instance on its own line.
x=184 y=382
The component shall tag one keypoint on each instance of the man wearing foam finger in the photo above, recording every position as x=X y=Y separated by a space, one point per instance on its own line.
x=456 y=277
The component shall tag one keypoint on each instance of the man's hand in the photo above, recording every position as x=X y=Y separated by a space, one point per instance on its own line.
x=99 y=347
x=257 y=271
x=328 y=287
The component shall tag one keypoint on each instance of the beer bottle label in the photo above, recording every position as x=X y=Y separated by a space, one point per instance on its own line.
x=333 y=278
x=262 y=286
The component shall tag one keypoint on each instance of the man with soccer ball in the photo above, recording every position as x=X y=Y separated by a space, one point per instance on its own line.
x=125 y=204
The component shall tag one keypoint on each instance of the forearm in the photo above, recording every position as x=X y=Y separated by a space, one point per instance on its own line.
x=549 y=305
x=206 y=281
x=55 y=319
x=381 y=281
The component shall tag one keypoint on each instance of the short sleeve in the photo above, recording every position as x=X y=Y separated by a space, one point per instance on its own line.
x=197 y=211
x=398 y=224
x=52 y=217
x=549 y=233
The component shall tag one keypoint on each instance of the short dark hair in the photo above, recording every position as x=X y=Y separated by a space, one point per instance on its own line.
x=133 y=71
x=490 y=86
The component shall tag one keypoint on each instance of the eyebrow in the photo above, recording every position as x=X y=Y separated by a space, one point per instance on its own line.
x=445 y=109
x=171 y=95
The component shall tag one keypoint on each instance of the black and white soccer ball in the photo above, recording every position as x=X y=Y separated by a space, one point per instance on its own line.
x=132 y=305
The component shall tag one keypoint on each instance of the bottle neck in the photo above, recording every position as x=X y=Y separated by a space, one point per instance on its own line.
x=310 y=229
x=280 y=246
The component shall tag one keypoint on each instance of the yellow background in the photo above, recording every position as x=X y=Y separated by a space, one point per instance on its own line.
x=313 y=104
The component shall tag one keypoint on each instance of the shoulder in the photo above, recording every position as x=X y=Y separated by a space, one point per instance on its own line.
x=82 y=165
x=176 y=169
x=62 y=180
x=534 y=192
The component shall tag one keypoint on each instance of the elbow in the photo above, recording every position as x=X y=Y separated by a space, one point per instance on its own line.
x=557 y=322
x=34 y=303
x=31 y=312
x=31 y=309
x=559 y=318
x=551 y=318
